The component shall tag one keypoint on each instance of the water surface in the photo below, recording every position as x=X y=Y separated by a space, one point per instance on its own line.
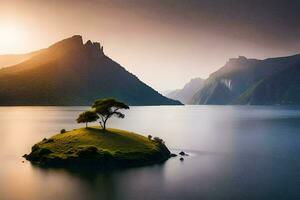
x=236 y=152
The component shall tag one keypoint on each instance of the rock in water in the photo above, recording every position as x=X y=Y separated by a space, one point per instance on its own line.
x=182 y=153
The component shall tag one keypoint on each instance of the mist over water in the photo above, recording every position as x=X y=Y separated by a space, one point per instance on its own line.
x=236 y=152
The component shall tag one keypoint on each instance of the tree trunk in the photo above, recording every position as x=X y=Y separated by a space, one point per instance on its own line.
x=104 y=124
x=85 y=124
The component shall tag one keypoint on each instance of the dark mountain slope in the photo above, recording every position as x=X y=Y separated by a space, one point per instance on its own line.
x=226 y=85
x=72 y=73
x=282 y=88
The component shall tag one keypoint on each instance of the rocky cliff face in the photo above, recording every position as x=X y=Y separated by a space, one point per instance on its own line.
x=94 y=49
x=74 y=45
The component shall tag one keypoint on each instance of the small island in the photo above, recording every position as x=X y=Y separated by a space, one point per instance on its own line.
x=99 y=147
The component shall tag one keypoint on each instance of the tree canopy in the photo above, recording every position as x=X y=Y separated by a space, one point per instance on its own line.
x=87 y=116
x=106 y=108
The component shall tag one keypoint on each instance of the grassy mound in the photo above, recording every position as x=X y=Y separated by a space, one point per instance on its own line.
x=95 y=147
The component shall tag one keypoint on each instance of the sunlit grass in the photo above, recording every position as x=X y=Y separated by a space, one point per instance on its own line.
x=95 y=147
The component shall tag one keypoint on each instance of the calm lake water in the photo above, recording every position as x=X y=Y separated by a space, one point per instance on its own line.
x=236 y=152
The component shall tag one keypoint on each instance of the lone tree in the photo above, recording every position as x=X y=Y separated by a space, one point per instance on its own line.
x=86 y=117
x=106 y=108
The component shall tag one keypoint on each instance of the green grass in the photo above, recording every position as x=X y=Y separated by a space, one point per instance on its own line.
x=111 y=140
x=94 y=144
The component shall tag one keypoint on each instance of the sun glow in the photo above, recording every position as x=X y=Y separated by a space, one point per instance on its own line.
x=10 y=37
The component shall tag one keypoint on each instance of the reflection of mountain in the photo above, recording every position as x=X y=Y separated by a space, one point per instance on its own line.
x=185 y=94
x=72 y=73
x=252 y=81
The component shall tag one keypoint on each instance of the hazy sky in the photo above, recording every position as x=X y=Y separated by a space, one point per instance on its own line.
x=165 y=43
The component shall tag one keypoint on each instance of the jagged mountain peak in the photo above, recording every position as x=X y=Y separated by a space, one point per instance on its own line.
x=238 y=59
x=71 y=42
x=94 y=48
x=75 y=44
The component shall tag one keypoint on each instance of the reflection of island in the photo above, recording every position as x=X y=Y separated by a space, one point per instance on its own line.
x=82 y=183
x=99 y=147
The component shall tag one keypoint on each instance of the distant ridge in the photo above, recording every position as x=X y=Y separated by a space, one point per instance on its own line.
x=185 y=94
x=272 y=81
x=13 y=59
x=70 y=72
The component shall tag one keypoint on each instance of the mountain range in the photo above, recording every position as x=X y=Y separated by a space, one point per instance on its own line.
x=71 y=72
x=272 y=81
